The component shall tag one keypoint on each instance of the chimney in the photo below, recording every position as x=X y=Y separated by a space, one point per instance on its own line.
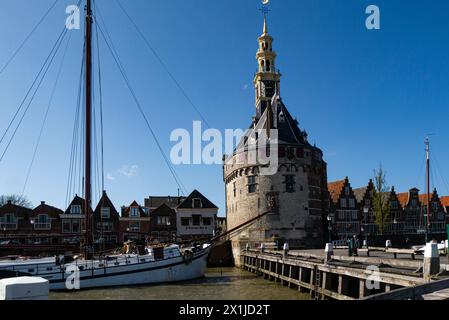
x=9 y=202
x=42 y=203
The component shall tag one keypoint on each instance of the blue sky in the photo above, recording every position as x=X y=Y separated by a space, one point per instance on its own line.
x=364 y=97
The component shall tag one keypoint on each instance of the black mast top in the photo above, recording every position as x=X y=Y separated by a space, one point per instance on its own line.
x=88 y=133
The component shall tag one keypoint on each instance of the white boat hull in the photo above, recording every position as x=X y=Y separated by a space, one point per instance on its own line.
x=127 y=270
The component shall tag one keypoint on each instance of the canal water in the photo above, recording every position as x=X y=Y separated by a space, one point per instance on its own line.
x=218 y=284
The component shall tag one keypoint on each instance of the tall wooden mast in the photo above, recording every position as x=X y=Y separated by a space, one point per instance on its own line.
x=427 y=221
x=88 y=127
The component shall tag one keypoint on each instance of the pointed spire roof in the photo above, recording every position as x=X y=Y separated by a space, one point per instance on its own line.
x=265 y=26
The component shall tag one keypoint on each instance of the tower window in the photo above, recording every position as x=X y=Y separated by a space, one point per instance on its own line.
x=290 y=183
x=268 y=65
x=252 y=184
x=235 y=189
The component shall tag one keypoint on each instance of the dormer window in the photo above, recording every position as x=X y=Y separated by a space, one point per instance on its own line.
x=394 y=204
x=282 y=117
x=75 y=209
x=105 y=213
x=134 y=212
x=197 y=203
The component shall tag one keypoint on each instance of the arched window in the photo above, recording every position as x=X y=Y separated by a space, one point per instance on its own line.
x=268 y=65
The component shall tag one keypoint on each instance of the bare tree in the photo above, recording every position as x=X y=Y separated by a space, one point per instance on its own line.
x=16 y=200
x=381 y=206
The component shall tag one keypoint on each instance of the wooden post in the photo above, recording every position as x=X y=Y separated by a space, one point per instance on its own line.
x=342 y=284
x=290 y=276
x=362 y=288
x=300 y=279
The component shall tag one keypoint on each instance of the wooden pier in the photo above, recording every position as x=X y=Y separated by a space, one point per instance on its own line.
x=346 y=278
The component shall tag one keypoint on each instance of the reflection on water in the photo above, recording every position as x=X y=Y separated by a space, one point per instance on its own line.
x=218 y=284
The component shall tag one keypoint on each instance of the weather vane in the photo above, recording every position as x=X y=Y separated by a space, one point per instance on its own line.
x=264 y=9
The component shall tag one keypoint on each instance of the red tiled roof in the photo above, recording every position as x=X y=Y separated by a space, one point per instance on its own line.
x=423 y=198
x=403 y=198
x=445 y=201
x=335 y=189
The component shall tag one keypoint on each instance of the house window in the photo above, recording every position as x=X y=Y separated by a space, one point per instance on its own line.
x=105 y=226
x=252 y=184
x=343 y=203
x=197 y=204
x=367 y=202
x=341 y=215
x=394 y=204
x=42 y=222
x=163 y=221
x=347 y=191
x=435 y=206
x=290 y=183
x=105 y=213
x=185 y=222
x=354 y=215
x=196 y=219
x=76 y=227
x=134 y=226
x=414 y=203
x=351 y=203
x=235 y=189
x=75 y=209
x=134 y=212
x=66 y=226
x=9 y=222
x=207 y=221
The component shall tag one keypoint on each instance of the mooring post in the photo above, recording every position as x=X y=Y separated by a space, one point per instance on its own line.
x=328 y=252
x=286 y=249
x=431 y=261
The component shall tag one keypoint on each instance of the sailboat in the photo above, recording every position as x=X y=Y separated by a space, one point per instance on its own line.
x=164 y=264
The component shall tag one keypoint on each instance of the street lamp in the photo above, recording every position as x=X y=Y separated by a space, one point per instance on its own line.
x=365 y=211
x=329 y=227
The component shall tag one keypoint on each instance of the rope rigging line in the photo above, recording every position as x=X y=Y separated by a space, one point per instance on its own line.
x=139 y=106
x=31 y=87
x=16 y=52
x=100 y=89
x=162 y=63
x=50 y=102
x=95 y=139
x=34 y=94
x=73 y=154
x=440 y=172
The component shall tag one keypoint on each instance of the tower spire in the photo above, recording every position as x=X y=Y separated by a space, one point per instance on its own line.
x=268 y=78
x=265 y=25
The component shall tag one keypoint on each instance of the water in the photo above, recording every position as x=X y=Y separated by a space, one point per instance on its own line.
x=218 y=284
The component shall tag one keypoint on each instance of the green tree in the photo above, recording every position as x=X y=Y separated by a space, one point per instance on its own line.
x=16 y=200
x=381 y=205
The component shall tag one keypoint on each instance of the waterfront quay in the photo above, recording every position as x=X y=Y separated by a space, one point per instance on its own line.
x=377 y=273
